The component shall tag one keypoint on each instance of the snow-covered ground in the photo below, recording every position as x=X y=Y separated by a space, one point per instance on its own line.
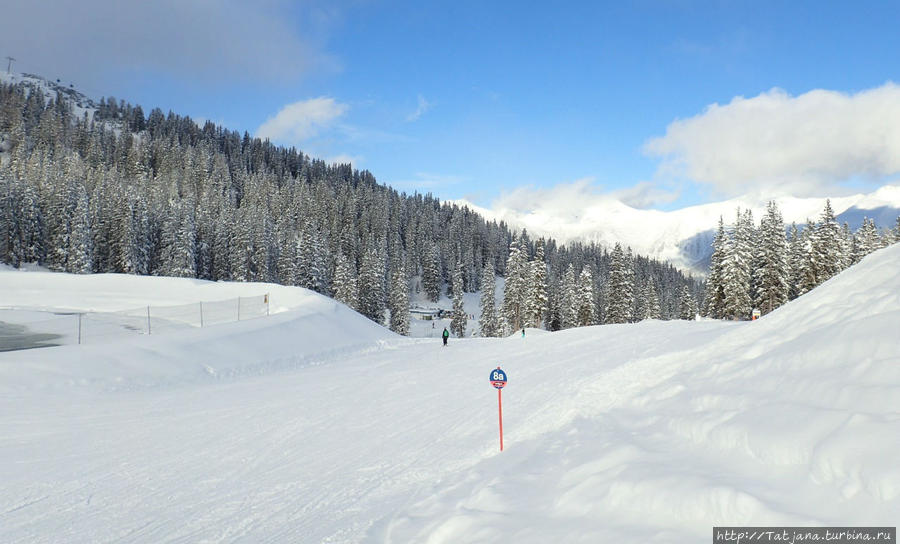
x=316 y=425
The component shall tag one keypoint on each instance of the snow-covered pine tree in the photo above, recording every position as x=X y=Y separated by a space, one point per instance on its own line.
x=431 y=273
x=288 y=243
x=848 y=242
x=487 y=324
x=399 y=301
x=515 y=292
x=620 y=290
x=640 y=301
x=63 y=199
x=715 y=281
x=131 y=243
x=737 y=271
x=309 y=267
x=371 y=284
x=80 y=248
x=806 y=273
x=536 y=305
x=652 y=304
x=826 y=245
x=585 y=298
x=31 y=227
x=344 y=285
x=459 y=319
x=569 y=296
x=867 y=239
x=179 y=239
x=772 y=276
x=687 y=304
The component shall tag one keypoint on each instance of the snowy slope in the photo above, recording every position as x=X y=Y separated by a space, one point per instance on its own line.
x=316 y=425
x=80 y=102
x=682 y=237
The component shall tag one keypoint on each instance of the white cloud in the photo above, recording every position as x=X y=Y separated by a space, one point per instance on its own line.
x=297 y=122
x=778 y=143
x=645 y=194
x=344 y=158
x=92 y=42
x=423 y=106
x=565 y=199
x=424 y=181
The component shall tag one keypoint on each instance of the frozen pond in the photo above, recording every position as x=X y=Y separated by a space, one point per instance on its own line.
x=14 y=336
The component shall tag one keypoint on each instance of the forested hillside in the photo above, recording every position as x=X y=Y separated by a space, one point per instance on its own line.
x=91 y=187
x=764 y=267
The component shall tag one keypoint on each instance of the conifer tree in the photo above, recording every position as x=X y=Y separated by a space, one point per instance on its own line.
x=431 y=274
x=399 y=302
x=309 y=267
x=371 y=285
x=808 y=270
x=29 y=244
x=867 y=239
x=687 y=304
x=826 y=246
x=536 y=305
x=772 y=274
x=652 y=305
x=80 y=247
x=737 y=271
x=344 y=286
x=515 y=292
x=488 y=325
x=585 y=298
x=569 y=295
x=459 y=319
x=620 y=289
x=715 y=282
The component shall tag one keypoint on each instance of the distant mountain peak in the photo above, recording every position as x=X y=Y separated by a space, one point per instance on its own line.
x=682 y=237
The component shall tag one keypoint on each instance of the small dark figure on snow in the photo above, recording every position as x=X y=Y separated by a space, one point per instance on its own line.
x=446 y=335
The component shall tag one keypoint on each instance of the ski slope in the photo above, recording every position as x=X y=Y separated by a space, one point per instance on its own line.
x=316 y=425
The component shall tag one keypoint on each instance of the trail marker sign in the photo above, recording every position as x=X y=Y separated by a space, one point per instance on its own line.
x=498 y=380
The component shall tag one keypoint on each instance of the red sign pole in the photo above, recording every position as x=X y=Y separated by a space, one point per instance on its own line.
x=500 y=411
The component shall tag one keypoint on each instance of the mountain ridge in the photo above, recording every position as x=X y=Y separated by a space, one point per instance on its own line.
x=683 y=237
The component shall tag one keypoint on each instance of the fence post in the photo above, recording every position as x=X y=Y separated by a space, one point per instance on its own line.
x=239 y=308
x=201 y=314
x=148 y=320
x=79 y=328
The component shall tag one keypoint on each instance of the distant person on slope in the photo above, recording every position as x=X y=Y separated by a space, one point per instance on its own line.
x=446 y=335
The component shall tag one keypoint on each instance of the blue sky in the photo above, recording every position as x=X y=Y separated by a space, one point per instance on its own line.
x=476 y=99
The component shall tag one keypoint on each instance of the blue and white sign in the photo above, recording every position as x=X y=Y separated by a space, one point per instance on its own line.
x=498 y=378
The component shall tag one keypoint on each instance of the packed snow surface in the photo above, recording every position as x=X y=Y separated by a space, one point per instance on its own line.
x=317 y=425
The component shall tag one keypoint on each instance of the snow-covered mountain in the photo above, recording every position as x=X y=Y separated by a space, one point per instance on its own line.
x=317 y=425
x=80 y=102
x=682 y=237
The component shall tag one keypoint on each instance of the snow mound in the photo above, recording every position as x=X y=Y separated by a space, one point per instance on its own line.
x=305 y=328
x=789 y=420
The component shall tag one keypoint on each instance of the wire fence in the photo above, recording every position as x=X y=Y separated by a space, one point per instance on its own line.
x=22 y=329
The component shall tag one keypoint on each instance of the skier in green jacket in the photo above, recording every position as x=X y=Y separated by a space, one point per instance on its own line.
x=446 y=335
